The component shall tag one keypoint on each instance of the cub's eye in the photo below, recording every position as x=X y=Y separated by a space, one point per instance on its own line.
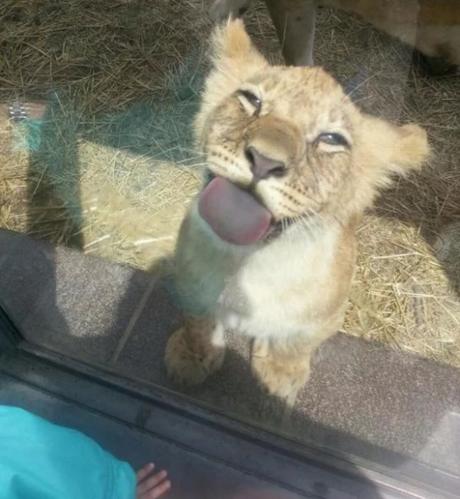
x=250 y=101
x=251 y=98
x=333 y=139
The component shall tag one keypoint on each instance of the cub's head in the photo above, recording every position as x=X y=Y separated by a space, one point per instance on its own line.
x=285 y=144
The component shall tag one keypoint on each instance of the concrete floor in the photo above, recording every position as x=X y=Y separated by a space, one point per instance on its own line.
x=364 y=400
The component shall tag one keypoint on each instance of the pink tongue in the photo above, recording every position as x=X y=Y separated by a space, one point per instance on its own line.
x=233 y=213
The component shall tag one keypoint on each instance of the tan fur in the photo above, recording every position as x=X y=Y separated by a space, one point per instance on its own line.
x=191 y=347
x=289 y=293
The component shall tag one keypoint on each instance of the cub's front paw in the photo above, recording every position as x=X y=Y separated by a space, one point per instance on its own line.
x=281 y=375
x=188 y=361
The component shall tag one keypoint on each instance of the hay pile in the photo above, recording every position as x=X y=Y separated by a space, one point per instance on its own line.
x=110 y=167
x=401 y=294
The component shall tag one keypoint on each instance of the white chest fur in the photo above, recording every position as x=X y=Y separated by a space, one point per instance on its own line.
x=278 y=288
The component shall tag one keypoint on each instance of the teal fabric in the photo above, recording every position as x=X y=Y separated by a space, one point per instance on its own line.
x=39 y=460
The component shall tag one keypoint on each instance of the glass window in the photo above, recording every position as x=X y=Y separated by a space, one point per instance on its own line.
x=181 y=208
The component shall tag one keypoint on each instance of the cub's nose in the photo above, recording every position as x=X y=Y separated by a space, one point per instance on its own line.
x=263 y=167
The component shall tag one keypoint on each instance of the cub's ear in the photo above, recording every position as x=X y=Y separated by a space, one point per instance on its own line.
x=391 y=148
x=410 y=149
x=233 y=51
x=381 y=150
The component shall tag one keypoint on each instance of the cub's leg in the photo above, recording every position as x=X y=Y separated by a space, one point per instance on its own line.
x=282 y=367
x=294 y=21
x=195 y=351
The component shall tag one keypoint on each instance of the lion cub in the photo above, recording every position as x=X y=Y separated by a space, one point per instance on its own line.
x=268 y=246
